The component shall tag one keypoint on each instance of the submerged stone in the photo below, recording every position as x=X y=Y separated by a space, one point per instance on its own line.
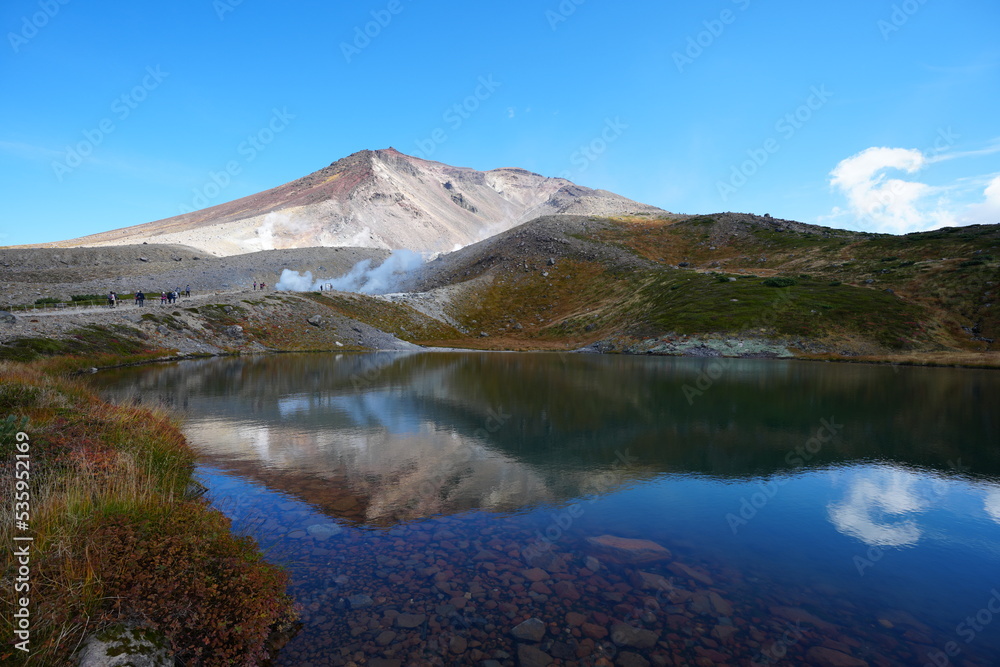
x=410 y=620
x=530 y=656
x=686 y=571
x=629 y=659
x=827 y=657
x=796 y=615
x=650 y=581
x=324 y=531
x=125 y=646
x=535 y=574
x=625 y=635
x=531 y=630
x=628 y=551
x=360 y=601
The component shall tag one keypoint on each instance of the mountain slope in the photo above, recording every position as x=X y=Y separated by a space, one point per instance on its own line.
x=687 y=284
x=376 y=199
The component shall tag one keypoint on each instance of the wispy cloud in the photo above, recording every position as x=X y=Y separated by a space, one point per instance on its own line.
x=137 y=167
x=987 y=64
x=29 y=151
x=954 y=155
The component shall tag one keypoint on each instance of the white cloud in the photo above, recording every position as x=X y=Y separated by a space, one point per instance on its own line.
x=988 y=211
x=993 y=191
x=888 y=204
x=883 y=195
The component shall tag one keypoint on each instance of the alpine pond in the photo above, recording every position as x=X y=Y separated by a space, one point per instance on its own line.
x=461 y=508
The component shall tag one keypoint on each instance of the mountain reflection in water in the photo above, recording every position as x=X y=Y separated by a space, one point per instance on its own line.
x=869 y=494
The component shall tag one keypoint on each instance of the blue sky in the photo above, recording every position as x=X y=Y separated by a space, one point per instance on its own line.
x=874 y=114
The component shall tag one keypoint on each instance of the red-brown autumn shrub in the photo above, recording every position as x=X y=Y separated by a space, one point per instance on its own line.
x=187 y=576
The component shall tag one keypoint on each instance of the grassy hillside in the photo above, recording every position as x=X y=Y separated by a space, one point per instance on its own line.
x=567 y=282
x=951 y=274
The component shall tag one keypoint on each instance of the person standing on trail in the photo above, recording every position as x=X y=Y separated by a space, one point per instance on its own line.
x=255 y=286
x=163 y=298
x=187 y=292
x=140 y=299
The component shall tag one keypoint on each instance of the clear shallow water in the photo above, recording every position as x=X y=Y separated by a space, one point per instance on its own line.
x=827 y=507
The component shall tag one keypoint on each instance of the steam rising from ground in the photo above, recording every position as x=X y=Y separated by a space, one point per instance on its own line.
x=382 y=279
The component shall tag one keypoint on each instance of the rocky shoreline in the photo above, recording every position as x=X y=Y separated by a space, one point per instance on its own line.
x=183 y=330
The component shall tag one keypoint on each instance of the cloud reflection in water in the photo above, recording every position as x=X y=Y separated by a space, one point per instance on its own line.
x=879 y=509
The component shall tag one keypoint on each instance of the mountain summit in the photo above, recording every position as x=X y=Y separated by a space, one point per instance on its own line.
x=376 y=199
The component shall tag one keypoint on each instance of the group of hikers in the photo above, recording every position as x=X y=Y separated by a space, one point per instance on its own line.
x=140 y=297
x=165 y=297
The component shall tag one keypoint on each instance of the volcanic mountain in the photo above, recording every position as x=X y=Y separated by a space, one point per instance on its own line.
x=375 y=199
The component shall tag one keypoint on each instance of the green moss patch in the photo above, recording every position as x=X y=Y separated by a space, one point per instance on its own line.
x=697 y=304
x=117 y=340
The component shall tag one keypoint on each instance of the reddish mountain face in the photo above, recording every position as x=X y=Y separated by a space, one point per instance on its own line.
x=378 y=199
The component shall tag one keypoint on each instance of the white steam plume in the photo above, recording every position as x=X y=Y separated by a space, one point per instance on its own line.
x=292 y=281
x=382 y=279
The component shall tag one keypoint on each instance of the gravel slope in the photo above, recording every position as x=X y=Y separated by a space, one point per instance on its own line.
x=27 y=274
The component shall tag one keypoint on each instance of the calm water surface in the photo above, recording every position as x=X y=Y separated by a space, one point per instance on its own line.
x=426 y=504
